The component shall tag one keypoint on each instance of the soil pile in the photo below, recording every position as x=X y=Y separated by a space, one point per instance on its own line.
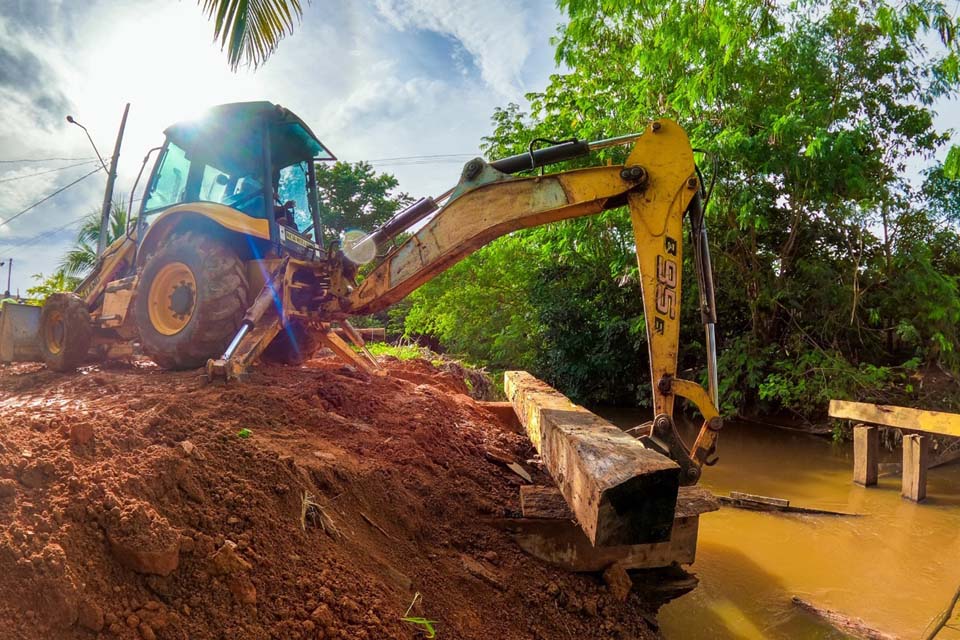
x=308 y=502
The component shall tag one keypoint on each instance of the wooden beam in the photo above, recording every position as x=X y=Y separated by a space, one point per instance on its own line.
x=775 y=502
x=620 y=492
x=563 y=544
x=847 y=625
x=915 y=461
x=866 y=455
x=754 y=505
x=947 y=424
x=544 y=502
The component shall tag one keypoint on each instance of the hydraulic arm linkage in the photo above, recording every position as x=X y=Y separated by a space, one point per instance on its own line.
x=658 y=183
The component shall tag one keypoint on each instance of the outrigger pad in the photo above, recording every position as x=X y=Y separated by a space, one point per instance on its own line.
x=621 y=492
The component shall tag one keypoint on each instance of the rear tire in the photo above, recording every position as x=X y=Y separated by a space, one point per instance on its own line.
x=65 y=332
x=295 y=344
x=190 y=300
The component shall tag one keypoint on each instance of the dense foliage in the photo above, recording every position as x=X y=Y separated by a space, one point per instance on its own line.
x=837 y=267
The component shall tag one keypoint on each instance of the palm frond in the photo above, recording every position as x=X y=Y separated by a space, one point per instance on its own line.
x=81 y=258
x=250 y=30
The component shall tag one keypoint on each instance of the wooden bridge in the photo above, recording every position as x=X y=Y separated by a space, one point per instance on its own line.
x=916 y=455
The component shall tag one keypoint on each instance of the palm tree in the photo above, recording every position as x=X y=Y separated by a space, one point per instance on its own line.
x=79 y=260
x=250 y=30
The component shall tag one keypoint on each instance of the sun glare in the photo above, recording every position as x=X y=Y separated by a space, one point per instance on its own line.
x=169 y=72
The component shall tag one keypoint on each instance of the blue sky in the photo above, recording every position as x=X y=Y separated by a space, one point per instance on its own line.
x=375 y=79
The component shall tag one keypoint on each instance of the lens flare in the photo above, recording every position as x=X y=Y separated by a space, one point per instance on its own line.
x=358 y=246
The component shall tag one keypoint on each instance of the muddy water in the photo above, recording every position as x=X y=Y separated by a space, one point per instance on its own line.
x=895 y=568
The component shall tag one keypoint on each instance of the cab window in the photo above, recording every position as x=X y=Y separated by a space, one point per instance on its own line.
x=292 y=188
x=213 y=186
x=170 y=183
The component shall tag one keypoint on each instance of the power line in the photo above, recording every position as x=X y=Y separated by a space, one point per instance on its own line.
x=411 y=164
x=52 y=232
x=42 y=173
x=43 y=235
x=47 y=197
x=44 y=160
x=439 y=155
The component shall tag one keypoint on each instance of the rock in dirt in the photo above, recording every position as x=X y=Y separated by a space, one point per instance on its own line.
x=90 y=616
x=618 y=580
x=143 y=540
x=242 y=589
x=483 y=571
x=81 y=433
x=227 y=561
x=8 y=488
x=322 y=615
x=35 y=475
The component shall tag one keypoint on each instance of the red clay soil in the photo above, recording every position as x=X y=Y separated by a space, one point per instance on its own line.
x=131 y=507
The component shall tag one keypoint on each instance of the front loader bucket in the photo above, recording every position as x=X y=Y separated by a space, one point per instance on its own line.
x=19 y=332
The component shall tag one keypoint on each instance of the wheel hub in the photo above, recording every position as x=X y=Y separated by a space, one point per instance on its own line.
x=181 y=300
x=53 y=332
x=172 y=298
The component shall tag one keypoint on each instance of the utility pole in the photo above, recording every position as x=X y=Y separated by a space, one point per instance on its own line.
x=9 y=263
x=108 y=192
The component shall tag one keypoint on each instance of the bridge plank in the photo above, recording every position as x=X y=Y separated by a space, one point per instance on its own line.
x=947 y=424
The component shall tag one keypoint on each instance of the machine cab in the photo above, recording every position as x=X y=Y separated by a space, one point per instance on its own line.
x=250 y=164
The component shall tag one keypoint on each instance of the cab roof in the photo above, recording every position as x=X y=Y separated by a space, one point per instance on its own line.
x=232 y=133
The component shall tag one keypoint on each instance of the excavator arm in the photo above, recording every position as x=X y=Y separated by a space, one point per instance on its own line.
x=658 y=183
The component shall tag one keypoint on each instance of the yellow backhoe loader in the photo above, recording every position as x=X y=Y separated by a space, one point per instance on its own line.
x=225 y=263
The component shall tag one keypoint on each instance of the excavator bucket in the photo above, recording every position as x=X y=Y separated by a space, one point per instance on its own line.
x=19 y=331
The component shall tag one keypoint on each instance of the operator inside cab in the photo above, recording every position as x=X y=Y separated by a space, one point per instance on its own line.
x=233 y=156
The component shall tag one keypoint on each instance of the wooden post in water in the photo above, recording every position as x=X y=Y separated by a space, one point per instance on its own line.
x=914 y=467
x=866 y=455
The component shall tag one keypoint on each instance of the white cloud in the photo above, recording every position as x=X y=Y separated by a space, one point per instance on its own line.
x=494 y=32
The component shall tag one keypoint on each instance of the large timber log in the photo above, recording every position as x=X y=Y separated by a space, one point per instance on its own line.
x=620 y=492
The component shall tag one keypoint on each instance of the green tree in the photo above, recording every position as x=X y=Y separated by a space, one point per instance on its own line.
x=813 y=110
x=46 y=286
x=354 y=196
x=81 y=258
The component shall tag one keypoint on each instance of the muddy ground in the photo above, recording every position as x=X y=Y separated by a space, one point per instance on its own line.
x=307 y=502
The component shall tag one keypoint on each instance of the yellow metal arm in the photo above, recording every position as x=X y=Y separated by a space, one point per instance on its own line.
x=658 y=182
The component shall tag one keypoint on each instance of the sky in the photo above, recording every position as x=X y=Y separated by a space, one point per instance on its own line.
x=375 y=80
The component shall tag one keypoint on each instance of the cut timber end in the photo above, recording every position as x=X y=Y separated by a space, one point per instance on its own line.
x=620 y=492
x=866 y=455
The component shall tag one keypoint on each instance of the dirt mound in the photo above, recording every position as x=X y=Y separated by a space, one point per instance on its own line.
x=308 y=502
